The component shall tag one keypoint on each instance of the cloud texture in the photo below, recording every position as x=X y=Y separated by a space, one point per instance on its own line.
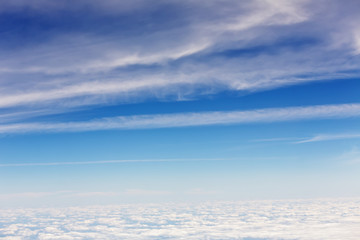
x=65 y=55
x=287 y=219
x=191 y=119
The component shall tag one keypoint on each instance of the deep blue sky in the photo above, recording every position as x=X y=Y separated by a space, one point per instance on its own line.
x=108 y=102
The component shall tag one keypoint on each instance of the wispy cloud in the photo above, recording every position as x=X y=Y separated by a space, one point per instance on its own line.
x=316 y=138
x=119 y=48
x=329 y=137
x=287 y=139
x=34 y=164
x=199 y=45
x=191 y=119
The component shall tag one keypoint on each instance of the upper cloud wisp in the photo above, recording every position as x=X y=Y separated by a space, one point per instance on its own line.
x=191 y=119
x=135 y=53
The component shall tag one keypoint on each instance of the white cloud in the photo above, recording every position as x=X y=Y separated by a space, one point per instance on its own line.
x=81 y=52
x=111 y=162
x=287 y=139
x=357 y=42
x=287 y=219
x=316 y=138
x=85 y=89
x=92 y=66
x=192 y=119
x=329 y=137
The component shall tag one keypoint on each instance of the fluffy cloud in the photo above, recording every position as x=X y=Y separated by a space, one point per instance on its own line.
x=291 y=219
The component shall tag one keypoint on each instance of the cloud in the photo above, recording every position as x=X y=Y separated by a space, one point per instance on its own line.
x=288 y=219
x=330 y=137
x=191 y=119
x=91 y=52
x=287 y=139
x=44 y=6
x=95 y=51
x=87 y=89
x=111 y=162
x=357 y=42
x=316 y=138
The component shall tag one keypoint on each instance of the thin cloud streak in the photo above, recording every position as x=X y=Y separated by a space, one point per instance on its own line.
x=330 y=137
x=191 y=119
x=316 y=138
x=287 y=139
x=112 y=162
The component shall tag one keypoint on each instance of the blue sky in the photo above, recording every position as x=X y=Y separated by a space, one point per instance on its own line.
x=107 y=101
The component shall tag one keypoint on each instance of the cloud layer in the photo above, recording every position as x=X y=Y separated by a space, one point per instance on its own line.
x=287 y=219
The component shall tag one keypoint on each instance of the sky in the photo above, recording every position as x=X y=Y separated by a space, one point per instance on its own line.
x=105 y=102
